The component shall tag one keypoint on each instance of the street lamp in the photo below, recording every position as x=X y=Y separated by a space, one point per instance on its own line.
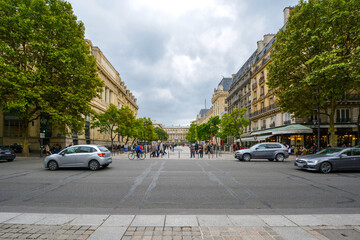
x=145 y=136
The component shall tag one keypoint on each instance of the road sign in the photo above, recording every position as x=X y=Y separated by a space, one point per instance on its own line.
x=255 y=137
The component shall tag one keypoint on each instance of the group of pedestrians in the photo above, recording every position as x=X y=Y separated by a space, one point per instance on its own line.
x=159 y=149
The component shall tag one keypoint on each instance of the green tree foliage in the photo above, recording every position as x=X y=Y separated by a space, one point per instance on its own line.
x=161 y=134
x=315 y=61
x=233 y=124
x=108 y=121
x=127 y=123
x=191 y=136
x=45 y=65
x=144 y=130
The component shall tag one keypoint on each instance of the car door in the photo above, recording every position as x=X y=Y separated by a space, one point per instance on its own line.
x=82 y=156
x=345 y=160
x=272 y=148
x=260 y=151
x=356 y=158
x=67 y=158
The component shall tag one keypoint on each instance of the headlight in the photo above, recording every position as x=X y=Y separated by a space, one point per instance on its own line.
x=313 y=161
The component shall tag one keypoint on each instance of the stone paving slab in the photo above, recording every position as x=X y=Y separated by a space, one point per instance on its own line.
x=190 y=227
x=294 y=233
x=149 y=220
x=118 y=221
x=108 y=233
x=89 y=220
x=7 y=216
x=181 y=220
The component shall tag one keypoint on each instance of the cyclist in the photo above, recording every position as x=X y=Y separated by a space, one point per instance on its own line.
x=138 y=150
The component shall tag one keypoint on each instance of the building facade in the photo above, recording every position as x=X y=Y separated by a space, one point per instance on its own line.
x=268 y=122
x=176 y=134
x=115 y=92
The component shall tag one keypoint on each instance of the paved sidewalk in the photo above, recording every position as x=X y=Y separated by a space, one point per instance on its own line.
x=179 y=227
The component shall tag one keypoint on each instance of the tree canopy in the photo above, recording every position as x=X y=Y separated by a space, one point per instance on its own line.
x=161 y=134
x=45 y=64
x=315 y=60
x=233 y=124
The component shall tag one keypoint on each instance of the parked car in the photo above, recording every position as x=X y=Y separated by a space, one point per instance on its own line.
x=90 y=156
x=331 y=159
x=7 y=154
x=268 y=151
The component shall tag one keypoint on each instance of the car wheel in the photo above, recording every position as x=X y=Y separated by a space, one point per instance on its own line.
x=325 y=167
x=280 y=157
x=52 y=165
x=270 y=159
x=246 y=157
x=94 y=165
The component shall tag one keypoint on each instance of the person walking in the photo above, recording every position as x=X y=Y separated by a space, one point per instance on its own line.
x=201 y=150
x=192 y=151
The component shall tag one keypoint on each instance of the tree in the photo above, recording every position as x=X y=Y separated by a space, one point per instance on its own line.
x=127 y=123
x=315 y=60
x=109 y=121
x=45 y=65
x=214 y=124
x=233 y=124
x=161 y=134
x=191 y=136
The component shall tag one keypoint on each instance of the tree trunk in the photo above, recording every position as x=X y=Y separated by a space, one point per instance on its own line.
x=332 y=127
x=25 y=135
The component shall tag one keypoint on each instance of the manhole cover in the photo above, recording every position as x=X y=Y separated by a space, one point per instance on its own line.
x=340 y=234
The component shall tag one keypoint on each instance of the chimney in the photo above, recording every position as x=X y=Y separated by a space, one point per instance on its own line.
x=260 y=45
x=267 y=38
x=287 y=14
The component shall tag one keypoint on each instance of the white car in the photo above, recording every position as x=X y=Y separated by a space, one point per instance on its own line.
x=90 y=156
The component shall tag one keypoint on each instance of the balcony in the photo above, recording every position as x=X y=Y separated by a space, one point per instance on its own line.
x=254 y=85
x=254 y=99
x=263 y=110
x=263 y=127
x=262 y=94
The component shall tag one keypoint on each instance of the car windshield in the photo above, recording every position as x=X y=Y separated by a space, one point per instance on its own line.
x=329 y=151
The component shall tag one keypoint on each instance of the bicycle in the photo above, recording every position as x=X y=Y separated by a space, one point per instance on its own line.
x=133 y=154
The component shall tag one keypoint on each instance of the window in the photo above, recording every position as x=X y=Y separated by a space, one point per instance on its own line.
x=263 y=123
x=70 y=150
x=262 y=91
x=110 y=96
x=271 y=101
x=12 y=126
x=356 y=152
x=106 y=95
x=84 y=150
x=343 y=115
x=261 y=146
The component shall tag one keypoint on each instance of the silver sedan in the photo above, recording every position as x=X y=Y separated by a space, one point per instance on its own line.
x=331 y=159
x=90 y=156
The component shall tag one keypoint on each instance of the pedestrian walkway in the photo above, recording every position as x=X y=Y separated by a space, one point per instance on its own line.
x=179 y=227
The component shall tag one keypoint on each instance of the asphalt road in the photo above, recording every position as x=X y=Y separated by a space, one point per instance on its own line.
x=177 y=186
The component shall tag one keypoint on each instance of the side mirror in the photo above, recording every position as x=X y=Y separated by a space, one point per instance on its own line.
x=62 y=153
x=256 y=148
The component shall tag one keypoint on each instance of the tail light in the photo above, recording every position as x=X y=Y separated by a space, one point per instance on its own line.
x=12 y=151
x=101 y=154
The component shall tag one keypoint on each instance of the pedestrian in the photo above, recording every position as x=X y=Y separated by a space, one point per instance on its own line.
x=192 y=151
x=201 y=150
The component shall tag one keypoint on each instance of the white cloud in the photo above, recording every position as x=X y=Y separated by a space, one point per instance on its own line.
x=172 y=54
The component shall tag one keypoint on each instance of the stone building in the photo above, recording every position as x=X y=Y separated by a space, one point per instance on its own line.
x=115 y=92
x=176 y=134
x=268 y=122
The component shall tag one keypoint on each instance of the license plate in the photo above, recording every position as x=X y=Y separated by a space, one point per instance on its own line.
x=300 y=164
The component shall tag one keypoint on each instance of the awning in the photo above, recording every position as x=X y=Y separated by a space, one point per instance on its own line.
x=289 y=129
x=252 y=139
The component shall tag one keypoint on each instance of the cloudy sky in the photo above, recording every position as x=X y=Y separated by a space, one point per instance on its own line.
x=173 y=53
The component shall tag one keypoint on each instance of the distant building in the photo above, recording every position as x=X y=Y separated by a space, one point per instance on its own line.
x=176 y=134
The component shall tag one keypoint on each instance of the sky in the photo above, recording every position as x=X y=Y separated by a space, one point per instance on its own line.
x=172 y=54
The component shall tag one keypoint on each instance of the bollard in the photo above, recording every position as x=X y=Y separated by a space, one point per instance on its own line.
x=179 y=154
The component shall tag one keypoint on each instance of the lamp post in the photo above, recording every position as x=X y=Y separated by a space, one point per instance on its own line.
x=145 y=137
